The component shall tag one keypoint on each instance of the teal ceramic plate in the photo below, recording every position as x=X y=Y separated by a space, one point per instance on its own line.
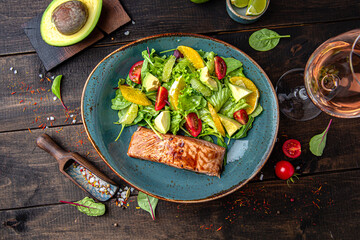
x=248 y=154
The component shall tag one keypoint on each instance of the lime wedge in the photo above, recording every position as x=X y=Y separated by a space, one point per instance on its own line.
x=130 y=115
x=256 y=7
x=240 y=3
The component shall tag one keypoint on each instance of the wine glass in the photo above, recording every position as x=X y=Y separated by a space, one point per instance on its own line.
x=331 y=81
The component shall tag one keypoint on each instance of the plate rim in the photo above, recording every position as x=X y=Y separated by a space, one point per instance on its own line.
x=214 y=196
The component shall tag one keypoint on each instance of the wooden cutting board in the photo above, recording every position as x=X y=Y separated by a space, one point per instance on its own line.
x=112 y=17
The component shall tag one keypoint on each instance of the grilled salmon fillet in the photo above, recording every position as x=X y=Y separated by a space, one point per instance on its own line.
x=177 y=151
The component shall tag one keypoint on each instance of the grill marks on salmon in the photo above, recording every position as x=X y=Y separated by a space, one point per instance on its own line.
x=177 y=151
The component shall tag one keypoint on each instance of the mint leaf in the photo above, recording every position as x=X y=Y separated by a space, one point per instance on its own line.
x=147 y=203
x=318 y=142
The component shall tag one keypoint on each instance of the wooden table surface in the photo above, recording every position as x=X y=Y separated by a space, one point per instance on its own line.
x=323 y=204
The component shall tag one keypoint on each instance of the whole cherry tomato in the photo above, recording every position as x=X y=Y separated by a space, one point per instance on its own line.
x=193 y=124
x=284 y=170
x=220 y=67
x=161 y=98
x=292 y=148
x=135 y=72
x=241 y=116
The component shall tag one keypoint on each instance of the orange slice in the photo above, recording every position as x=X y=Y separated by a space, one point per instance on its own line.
x=253 y=98
x=217 y=120
x=192 y=55
x=174 y=92
x=134 y=95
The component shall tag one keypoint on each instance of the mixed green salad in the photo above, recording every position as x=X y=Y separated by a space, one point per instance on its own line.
x=196 y=92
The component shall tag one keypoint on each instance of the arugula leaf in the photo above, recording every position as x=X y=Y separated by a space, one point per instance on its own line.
x=89 y=206
x=318 y=142
x=218 y=98
x=232 y=64
x=55 y=88
x=244 y=129
x=265 y=39
x=147 y=203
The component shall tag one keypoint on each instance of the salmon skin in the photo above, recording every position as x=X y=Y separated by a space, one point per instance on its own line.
x=177 y=151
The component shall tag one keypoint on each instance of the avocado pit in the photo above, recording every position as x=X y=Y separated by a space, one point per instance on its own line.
x=69 y=17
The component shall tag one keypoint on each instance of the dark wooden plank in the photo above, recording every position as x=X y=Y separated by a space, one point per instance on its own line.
x=29 y=176
x=319 y=207
x=155 y=17
x=112 y=16
x=52 y=56
x=290 y=53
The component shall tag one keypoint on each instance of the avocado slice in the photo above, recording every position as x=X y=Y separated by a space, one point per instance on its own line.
x=162 y=122
x=239 y=92
x=230 y=125
x=150 y=82
x=74 y=29
x=207 y=79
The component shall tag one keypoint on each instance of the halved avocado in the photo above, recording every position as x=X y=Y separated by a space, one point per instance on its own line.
x=51 y=34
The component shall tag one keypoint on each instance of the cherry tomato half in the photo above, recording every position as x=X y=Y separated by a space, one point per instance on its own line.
x=284 y=170
x=220 y=67
x=193 y=124
x=241 y=116
x=161 y=98
x=135 y=72
x=292 y=148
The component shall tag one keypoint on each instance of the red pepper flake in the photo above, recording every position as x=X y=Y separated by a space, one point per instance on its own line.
x=29 y=130
x=21 y=101
x=38 y=90
x=35 y=103
x=36 y=119
x=32 y=91
x=48 y=79
x=40 y=125
x=51 y=123
x=24 y=109
x=219 y=229
x=13 y=93
x=44 y=126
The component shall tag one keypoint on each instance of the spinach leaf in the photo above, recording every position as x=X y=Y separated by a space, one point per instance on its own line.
x=265 y=39
x=88 y=206
x=119 y=102
x=318 y=142
x=232 y=64
x=147 y=203
x=55 y=88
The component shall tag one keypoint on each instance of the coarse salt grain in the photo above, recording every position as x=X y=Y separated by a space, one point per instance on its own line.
x=40 y=75
x=52 y=118
x=126 y=188
x=11 y=68
x=72 y=115
x=123 y=194
x=133 y=22
x=54 y=98
x=261 y=177
x=298 y=167
x=74 y=121
x=15 y=71
x=131 y=189
x=48 y=118
x=52 y=77
x=127 y=33
x=92 y=180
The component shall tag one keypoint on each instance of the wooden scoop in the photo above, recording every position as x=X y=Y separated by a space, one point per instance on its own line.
x=101 y=187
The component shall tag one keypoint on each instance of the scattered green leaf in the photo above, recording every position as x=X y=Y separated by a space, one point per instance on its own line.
x=318 y=142
x=89 y=206
x=265 y=39
x=55 y=88
x=147 y=203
